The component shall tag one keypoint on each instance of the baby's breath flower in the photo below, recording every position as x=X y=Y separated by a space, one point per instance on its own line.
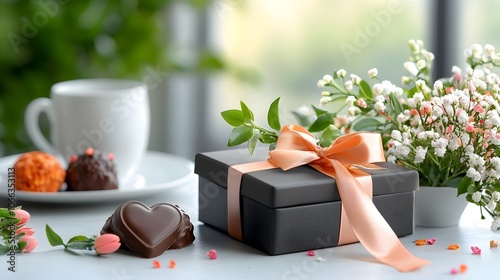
x=328 y=78
x=355 y=79
x=411 y=67
x=350 y=100
x=456 y=70
x=372 y=73
x=474 y=175
x=352 y=110
x=476 y=196
x=325 y=100
x=325 y=93
x=489 y=49
x=348 y=85
x=380 y=106
x=396 y=135
x=321 y=83
x=421 y=64
x=428 y=55
x=341 y=73
x=476 y=50
x=438 y=85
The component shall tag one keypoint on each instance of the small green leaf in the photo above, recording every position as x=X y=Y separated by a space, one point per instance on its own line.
x=322 y=122
x=365 y=91
x=233 y=117
x=79 y=238
x=247 y=113
x=8 y=222
x=268 y=138
x=80 y=245
x=252 y=143
x=21 y=245
x=398 y=109
x=4 y=249
x=240 y=135
x=273 y=118
x=329 y=135
x=53 y=237
x=367 y=124
x=318 y=111
x=7 y=213
x=463 y=185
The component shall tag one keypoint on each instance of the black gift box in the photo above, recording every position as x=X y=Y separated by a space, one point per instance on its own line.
x=299 y=209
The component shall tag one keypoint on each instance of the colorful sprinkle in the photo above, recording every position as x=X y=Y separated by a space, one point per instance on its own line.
x=431 y=241
x=212 y=254
x=111 y=156
x=454 y=271
x=172 y=264
x=493 y=244
x=453 y=247
x=463 y=268
x=421 y=242
x=311 y=253
x=72 y=158
x=475 y=250
x=156 y=264
x=89 y=151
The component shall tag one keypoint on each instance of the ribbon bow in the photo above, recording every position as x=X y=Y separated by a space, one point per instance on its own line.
x=296 y=147
x=360 y=218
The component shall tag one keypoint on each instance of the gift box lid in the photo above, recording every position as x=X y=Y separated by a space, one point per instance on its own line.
x=302 y=185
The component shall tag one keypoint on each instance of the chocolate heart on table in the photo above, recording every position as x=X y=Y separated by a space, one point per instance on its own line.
x=150 y=231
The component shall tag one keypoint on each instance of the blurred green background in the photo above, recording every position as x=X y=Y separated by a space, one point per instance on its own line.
x=199 y=46
x=48 y=41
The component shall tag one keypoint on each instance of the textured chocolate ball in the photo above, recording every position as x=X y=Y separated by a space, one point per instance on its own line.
x=38 y=172
x=91 y=171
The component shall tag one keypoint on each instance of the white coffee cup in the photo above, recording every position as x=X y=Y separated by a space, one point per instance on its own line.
x=110 y=115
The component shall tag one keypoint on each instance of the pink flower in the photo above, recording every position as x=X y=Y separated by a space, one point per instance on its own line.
x=23 y=215
x=26 y=230
x=478 y=108
x=475 y=250
x=107 y=244
x=31 y=243
x=449 y=129
x=361 y=103
x=469 y=127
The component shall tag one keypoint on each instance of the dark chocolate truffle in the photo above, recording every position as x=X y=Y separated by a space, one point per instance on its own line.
x=91 y=171
x=150 y=231
x=38 y=172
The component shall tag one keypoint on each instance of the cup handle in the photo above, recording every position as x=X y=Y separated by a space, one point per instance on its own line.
x=31 y=117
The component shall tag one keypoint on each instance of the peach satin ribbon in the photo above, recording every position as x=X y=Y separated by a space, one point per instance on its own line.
x=296 y=147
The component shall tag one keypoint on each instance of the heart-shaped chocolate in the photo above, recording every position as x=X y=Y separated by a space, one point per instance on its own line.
x=149 y=231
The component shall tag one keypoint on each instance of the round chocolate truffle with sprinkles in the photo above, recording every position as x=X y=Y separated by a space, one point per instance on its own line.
x=91 y=171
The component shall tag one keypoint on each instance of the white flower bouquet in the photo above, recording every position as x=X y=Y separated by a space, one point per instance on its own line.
x=449 y=130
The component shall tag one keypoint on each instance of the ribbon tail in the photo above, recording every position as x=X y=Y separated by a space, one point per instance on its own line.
x=372 y=230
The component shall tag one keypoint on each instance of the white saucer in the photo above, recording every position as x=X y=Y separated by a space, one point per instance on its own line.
x=156 y=173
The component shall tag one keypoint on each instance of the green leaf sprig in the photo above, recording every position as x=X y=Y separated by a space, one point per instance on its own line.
x=78 y=242
x=246 y=130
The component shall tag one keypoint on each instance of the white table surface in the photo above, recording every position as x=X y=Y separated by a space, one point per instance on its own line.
x=236 y=260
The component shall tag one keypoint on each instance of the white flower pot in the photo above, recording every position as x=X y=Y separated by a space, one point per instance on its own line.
x=438 y=206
